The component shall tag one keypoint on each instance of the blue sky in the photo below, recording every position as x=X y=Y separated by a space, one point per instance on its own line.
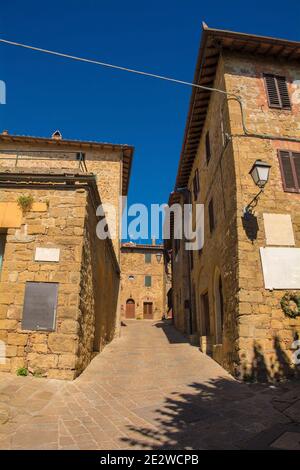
x=84 y=101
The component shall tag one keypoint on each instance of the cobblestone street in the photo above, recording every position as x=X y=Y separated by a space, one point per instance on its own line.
x=148 y=389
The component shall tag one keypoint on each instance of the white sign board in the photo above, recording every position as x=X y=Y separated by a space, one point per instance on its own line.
x=47 y=254
x=281 y=267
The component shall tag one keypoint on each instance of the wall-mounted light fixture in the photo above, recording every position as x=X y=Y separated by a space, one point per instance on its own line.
x=259 y=172
x=158 y=257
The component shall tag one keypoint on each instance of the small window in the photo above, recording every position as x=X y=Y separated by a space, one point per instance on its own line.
x=196 y=184
x=147 y=257
x=148 y=281
x=207 y=148
x=191 y=259
x=40 y=306
x=290 y=170
x=131 y=277
x=211 y=215
x=277 y=92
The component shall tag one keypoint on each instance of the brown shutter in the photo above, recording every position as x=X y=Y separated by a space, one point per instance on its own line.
x=207 y=147
x=296 y=158
x=277 y=91
x=283 y=92
x=288 y=175
x=272 y=91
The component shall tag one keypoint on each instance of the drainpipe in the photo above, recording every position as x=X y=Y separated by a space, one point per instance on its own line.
x=186 y=194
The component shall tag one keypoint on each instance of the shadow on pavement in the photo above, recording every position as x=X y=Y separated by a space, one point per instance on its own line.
x=174 y=337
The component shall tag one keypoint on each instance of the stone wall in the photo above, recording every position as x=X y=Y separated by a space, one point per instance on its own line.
x=65 y=219
x=133 y=264
x=265 y=333
x=256 y=341
x=106 y=164
x=219 y=255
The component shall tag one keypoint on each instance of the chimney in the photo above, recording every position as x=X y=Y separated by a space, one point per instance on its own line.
x=56 y=135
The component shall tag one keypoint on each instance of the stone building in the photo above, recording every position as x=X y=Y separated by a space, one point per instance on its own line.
x=143 y=281
x=228 y=293
x=59 y=286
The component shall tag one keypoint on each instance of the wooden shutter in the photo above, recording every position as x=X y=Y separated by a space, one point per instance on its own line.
x=290 y=170
x=272 y=91
x=207 y=147
x=277 y=92
x=283 y=92
x=211 y=216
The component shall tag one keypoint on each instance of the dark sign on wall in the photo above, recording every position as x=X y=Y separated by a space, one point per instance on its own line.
x=40 y=304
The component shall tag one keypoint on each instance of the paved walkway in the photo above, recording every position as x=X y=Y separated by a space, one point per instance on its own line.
x=148 y=389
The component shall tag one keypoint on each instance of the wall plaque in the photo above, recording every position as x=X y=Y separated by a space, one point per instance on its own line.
x=47 y=254
x=279 y=229
x=40 y=304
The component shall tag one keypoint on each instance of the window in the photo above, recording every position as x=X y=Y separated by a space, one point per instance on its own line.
x=40 y=305
x=211 y=216
x=205 y=315
x=207 y=148
x=290 y=170
x=2 y=247
x=277 y=92
x=196 y=184
x=148 y=281
x=147 y=257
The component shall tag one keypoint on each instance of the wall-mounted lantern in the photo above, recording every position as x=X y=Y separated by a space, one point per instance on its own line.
x=259 y=172
x=158 y=257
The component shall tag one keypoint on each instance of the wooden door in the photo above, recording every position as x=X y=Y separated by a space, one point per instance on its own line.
x=206 y=315
x=148 y=311
x=130 y=309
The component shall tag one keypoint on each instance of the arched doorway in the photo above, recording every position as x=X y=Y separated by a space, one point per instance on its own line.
x=130 y=308
x=219 y=306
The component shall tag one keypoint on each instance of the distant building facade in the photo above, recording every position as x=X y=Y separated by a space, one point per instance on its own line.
x=232 y=294
x=60 y=284
x=143 y=282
